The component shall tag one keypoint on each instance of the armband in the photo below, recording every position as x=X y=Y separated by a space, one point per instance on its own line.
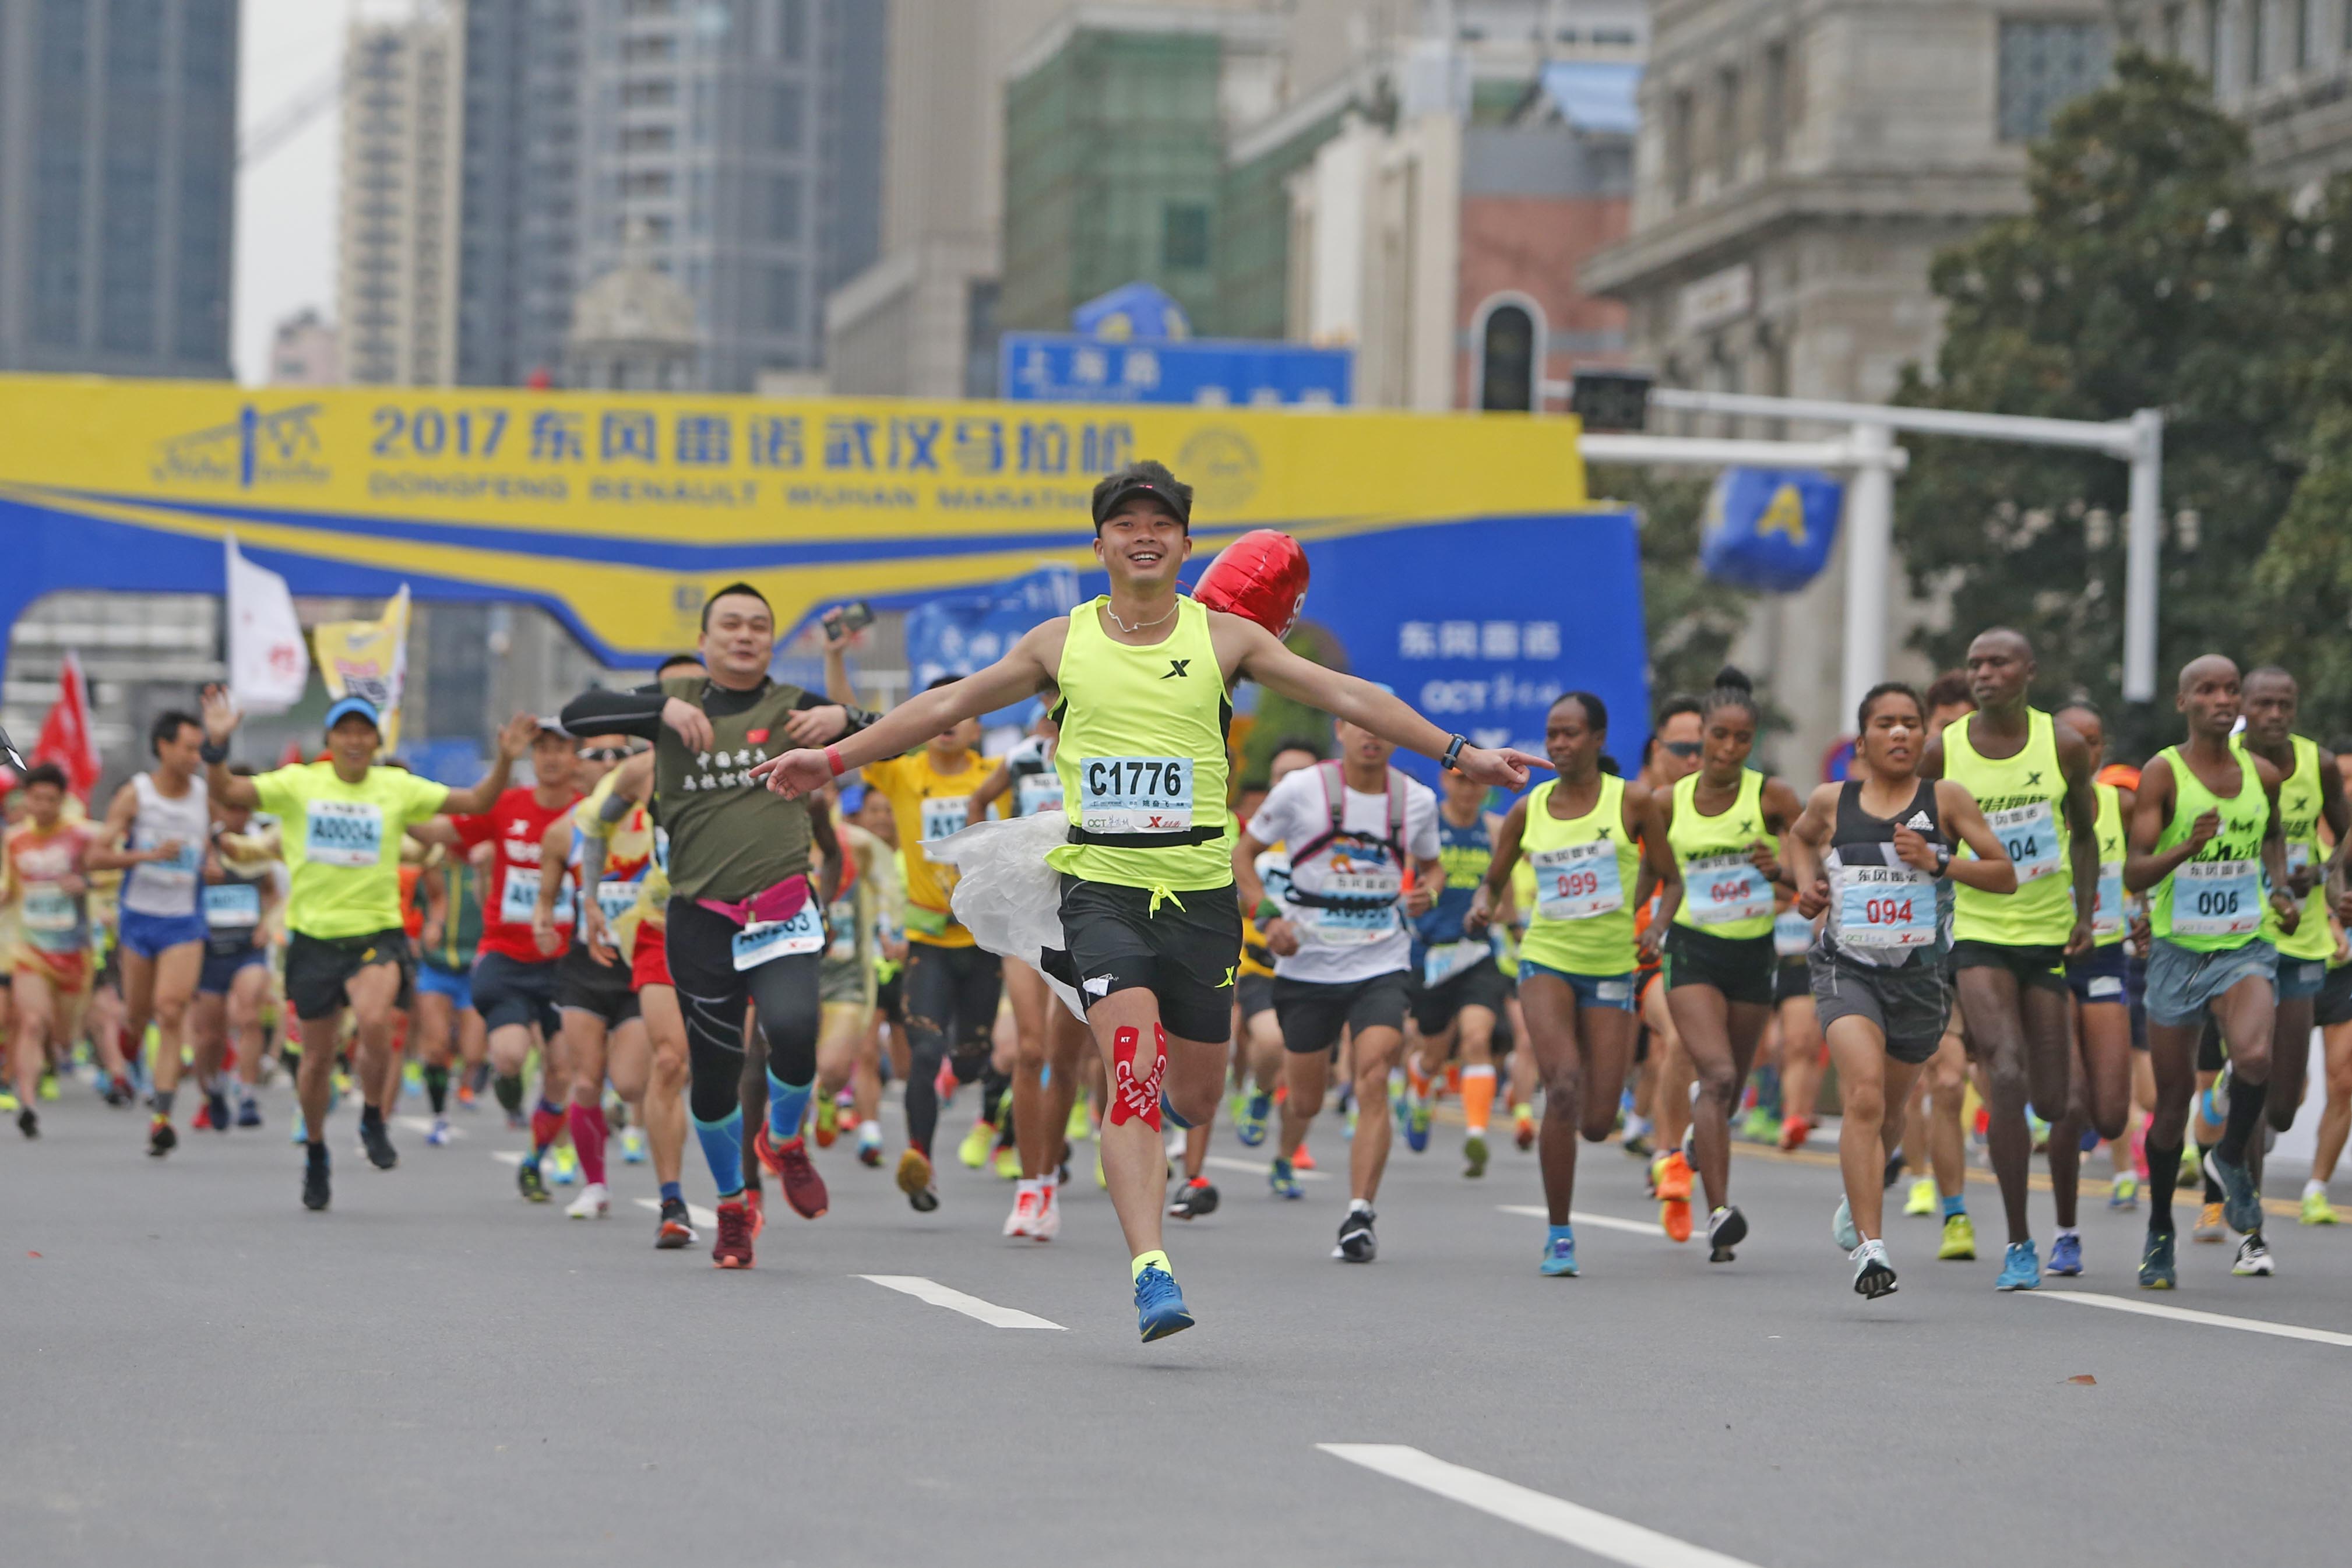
x=832 y=760
x=1267 y=913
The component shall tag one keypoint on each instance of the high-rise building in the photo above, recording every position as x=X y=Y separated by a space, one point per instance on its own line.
x=519 y=203
x=1800 y=164
x=737 y=145
x=118 y=162
x=397 y=267
x=306 y=352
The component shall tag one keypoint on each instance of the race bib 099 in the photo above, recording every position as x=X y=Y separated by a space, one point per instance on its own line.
x=1577 y=882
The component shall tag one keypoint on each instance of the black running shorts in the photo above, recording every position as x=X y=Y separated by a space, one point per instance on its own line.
x=1186 y=953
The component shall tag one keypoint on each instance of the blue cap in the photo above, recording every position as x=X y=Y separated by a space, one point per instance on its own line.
x=344 y=707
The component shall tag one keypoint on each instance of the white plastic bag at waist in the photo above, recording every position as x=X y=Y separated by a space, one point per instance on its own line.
x=1005 y=895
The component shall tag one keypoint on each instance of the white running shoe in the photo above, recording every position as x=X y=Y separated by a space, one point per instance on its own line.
x=1024 y=1215
x=594 y=1203
x=2254 y=1258
x=1048 y=1222
x=439 y=1136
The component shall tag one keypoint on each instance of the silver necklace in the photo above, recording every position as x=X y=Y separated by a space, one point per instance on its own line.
x=1140 y=626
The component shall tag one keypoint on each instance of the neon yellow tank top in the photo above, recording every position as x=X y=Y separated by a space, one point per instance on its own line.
x=1723 y=892
x=2213 y=903
x=1585 y=871
x=2109 y=924
x=2024 y=798
x=2299 y=812
x=1142 y=754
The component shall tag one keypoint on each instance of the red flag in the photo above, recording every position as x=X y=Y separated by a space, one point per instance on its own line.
x=64 y=736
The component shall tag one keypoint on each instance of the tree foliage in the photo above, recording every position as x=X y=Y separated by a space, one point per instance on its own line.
x=1691 y=620
x=2148 y=271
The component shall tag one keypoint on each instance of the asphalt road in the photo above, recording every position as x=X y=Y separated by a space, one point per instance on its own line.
x=200 y=1372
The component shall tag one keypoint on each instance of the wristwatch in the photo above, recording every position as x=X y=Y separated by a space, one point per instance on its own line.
x=1452 y=751
x=1943 y=859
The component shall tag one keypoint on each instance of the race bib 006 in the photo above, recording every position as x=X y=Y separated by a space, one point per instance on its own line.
x=764 y=940
x=2217 y=898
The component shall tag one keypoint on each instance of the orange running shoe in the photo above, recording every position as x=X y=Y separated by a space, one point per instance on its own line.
x=1674 y=1178
x=1302 y=1160
x=1793 y=1134
x=1523 y=1125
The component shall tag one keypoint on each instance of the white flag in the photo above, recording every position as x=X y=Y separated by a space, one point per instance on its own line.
x=267 y=664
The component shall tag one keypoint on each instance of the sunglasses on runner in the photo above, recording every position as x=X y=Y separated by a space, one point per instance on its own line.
x=1686 y=749
x=606 y=753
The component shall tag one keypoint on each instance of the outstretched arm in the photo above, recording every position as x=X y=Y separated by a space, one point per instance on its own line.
x=220 y=722
x=1264 y=659
x=1023 y=671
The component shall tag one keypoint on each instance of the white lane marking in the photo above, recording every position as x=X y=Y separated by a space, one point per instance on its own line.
x=507 y=1157
x=938 y=1295
x=1251 y=1168
x=1601 y=1534
x=2190 y=1316
x=701 y=1216
x=1579 y=1217
x=425 y=1125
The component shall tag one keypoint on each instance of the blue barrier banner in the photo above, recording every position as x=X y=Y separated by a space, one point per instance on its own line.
x=956 y=634
x=1770 y=528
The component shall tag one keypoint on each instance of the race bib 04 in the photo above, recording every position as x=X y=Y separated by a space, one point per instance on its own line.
x=1792 y=934
x=2217 y=898
x=344 y=833
x=1136 y=794
x=519 y=903
x=764 y=940
x=942 y=816
x=1577 y=882
x=2030 y=835
x=1889 y=907
x=1039 y=793
x=232 y=906
x=2107 y=913
x=1447 y=959
x=1725 y=887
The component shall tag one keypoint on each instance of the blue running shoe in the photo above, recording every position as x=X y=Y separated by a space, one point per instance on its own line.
x=2156 y=1263
x=2241 y=1206
x=1249 y=1122
x=2021 y=1267
x=1416 y=1125
x=1281 y=1179
x=2066 y=1256
x=1159 y=1308
x=1559 y=1253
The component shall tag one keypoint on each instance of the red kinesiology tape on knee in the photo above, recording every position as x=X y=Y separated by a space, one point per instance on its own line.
x=1136 y=1096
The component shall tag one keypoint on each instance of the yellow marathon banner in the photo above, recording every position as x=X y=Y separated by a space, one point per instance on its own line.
x=622 y=511
x=368 y=659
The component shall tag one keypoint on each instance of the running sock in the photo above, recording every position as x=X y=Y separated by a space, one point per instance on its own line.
x=1359 y=1206
x=370 y=1116
x=672 y=1192
x=162 y=1099
x=1477 y=1096
x=722 y=1147
x=2163 y=1174
x=787 y=1104
x=1767 y=1089
x=436 y=1087
x=1415 y=1078
x=588 y=1132
x=1956 y=1204
x=2067 y=1230
x=2246 y=1101
x=2212 y=1188
x=510 y=1094
x=1155 y=1259
x=546 y=1126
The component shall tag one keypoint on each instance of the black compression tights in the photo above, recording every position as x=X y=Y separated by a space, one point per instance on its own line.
x=783 y=999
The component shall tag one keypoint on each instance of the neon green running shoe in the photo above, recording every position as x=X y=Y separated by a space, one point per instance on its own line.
x=1959 y=1244
x=2316 y=1210
x=1925 y=1200
x=1008 y=1164
x=1079 y=1127
x=974 y=1150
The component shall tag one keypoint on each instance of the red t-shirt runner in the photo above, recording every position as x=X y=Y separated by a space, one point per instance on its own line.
x=511 y=892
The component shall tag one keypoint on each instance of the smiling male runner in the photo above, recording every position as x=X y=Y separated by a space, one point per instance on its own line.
x=1148 y=907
